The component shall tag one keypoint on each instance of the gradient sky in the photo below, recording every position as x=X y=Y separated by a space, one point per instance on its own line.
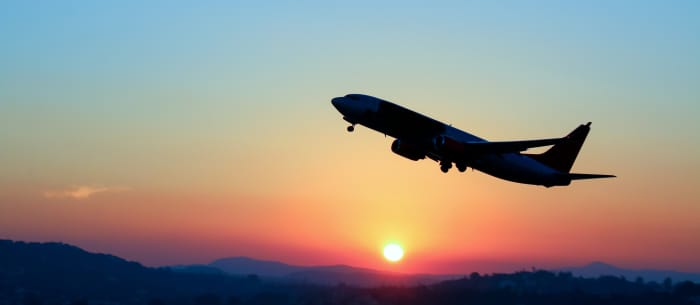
x=168 y=132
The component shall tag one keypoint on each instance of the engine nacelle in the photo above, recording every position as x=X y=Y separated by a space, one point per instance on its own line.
x=408 y=150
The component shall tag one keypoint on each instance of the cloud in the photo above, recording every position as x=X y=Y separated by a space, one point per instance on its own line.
x=83 y=191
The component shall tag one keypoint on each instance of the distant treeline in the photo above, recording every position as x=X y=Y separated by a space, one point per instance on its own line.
x=53 y=273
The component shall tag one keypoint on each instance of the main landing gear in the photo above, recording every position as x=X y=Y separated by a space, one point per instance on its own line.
x=445 y=166
x=351 y=128
x=461 y=167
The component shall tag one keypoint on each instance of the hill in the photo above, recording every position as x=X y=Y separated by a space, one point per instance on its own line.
x=57 y=273
x=61 y=273
x=322 y=275
x=597 y=269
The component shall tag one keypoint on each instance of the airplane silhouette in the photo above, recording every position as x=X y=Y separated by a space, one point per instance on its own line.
x=418 y=136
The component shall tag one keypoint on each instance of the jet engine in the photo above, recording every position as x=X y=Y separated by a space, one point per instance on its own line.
x=408 y=150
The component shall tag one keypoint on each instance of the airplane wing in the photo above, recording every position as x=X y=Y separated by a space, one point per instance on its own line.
x=458 y=148
x=502 y=147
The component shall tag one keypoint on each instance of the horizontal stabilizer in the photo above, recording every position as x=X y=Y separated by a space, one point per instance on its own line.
x=574 y=176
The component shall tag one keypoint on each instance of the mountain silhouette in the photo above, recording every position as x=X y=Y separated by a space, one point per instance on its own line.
x=323 y=275
x=247 y=265
x=57 y=273
x=597 y=269
x=197 y=269
x=62 y=272
x=334 y=274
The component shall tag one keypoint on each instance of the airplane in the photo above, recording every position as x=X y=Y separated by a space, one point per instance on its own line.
x=418 y=136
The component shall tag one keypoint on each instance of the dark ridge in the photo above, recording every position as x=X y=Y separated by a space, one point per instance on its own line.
x=56 y=273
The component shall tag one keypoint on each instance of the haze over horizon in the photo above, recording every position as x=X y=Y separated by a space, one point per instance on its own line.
x=169 y=133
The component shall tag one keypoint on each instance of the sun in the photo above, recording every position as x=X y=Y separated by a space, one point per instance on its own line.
x=393 y=252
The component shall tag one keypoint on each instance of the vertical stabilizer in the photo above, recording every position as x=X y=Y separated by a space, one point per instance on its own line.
x=562 y=155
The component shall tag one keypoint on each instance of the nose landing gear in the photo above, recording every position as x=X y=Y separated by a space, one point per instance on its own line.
x=351 y=128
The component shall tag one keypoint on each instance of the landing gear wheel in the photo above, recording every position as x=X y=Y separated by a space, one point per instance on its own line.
x=461 y=167
x=445 y=166
x=351 y=128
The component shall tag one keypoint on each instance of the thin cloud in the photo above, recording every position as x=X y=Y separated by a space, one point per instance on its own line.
x=83 y=191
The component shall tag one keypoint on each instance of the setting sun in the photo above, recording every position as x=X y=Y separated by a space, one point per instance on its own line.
x=393 y=252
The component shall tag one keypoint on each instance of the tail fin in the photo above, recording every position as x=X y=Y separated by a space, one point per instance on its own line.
x=562 y=155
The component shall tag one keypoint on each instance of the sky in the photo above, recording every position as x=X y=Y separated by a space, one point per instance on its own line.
x=175 y=132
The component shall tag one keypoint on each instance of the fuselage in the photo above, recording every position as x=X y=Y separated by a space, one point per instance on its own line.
x=423 y=133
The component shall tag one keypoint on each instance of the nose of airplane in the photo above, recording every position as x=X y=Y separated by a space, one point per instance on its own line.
x=337 y=102
x=348 y=108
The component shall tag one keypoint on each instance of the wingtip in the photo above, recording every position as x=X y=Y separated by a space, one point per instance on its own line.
x=588 y=124
x=577 y=176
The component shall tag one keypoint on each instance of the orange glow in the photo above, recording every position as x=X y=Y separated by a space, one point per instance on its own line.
x=180 y=135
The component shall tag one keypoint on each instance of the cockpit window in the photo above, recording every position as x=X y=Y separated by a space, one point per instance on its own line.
x=353 y=97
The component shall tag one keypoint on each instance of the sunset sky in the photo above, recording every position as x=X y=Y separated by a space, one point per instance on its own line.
x=169 y=132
